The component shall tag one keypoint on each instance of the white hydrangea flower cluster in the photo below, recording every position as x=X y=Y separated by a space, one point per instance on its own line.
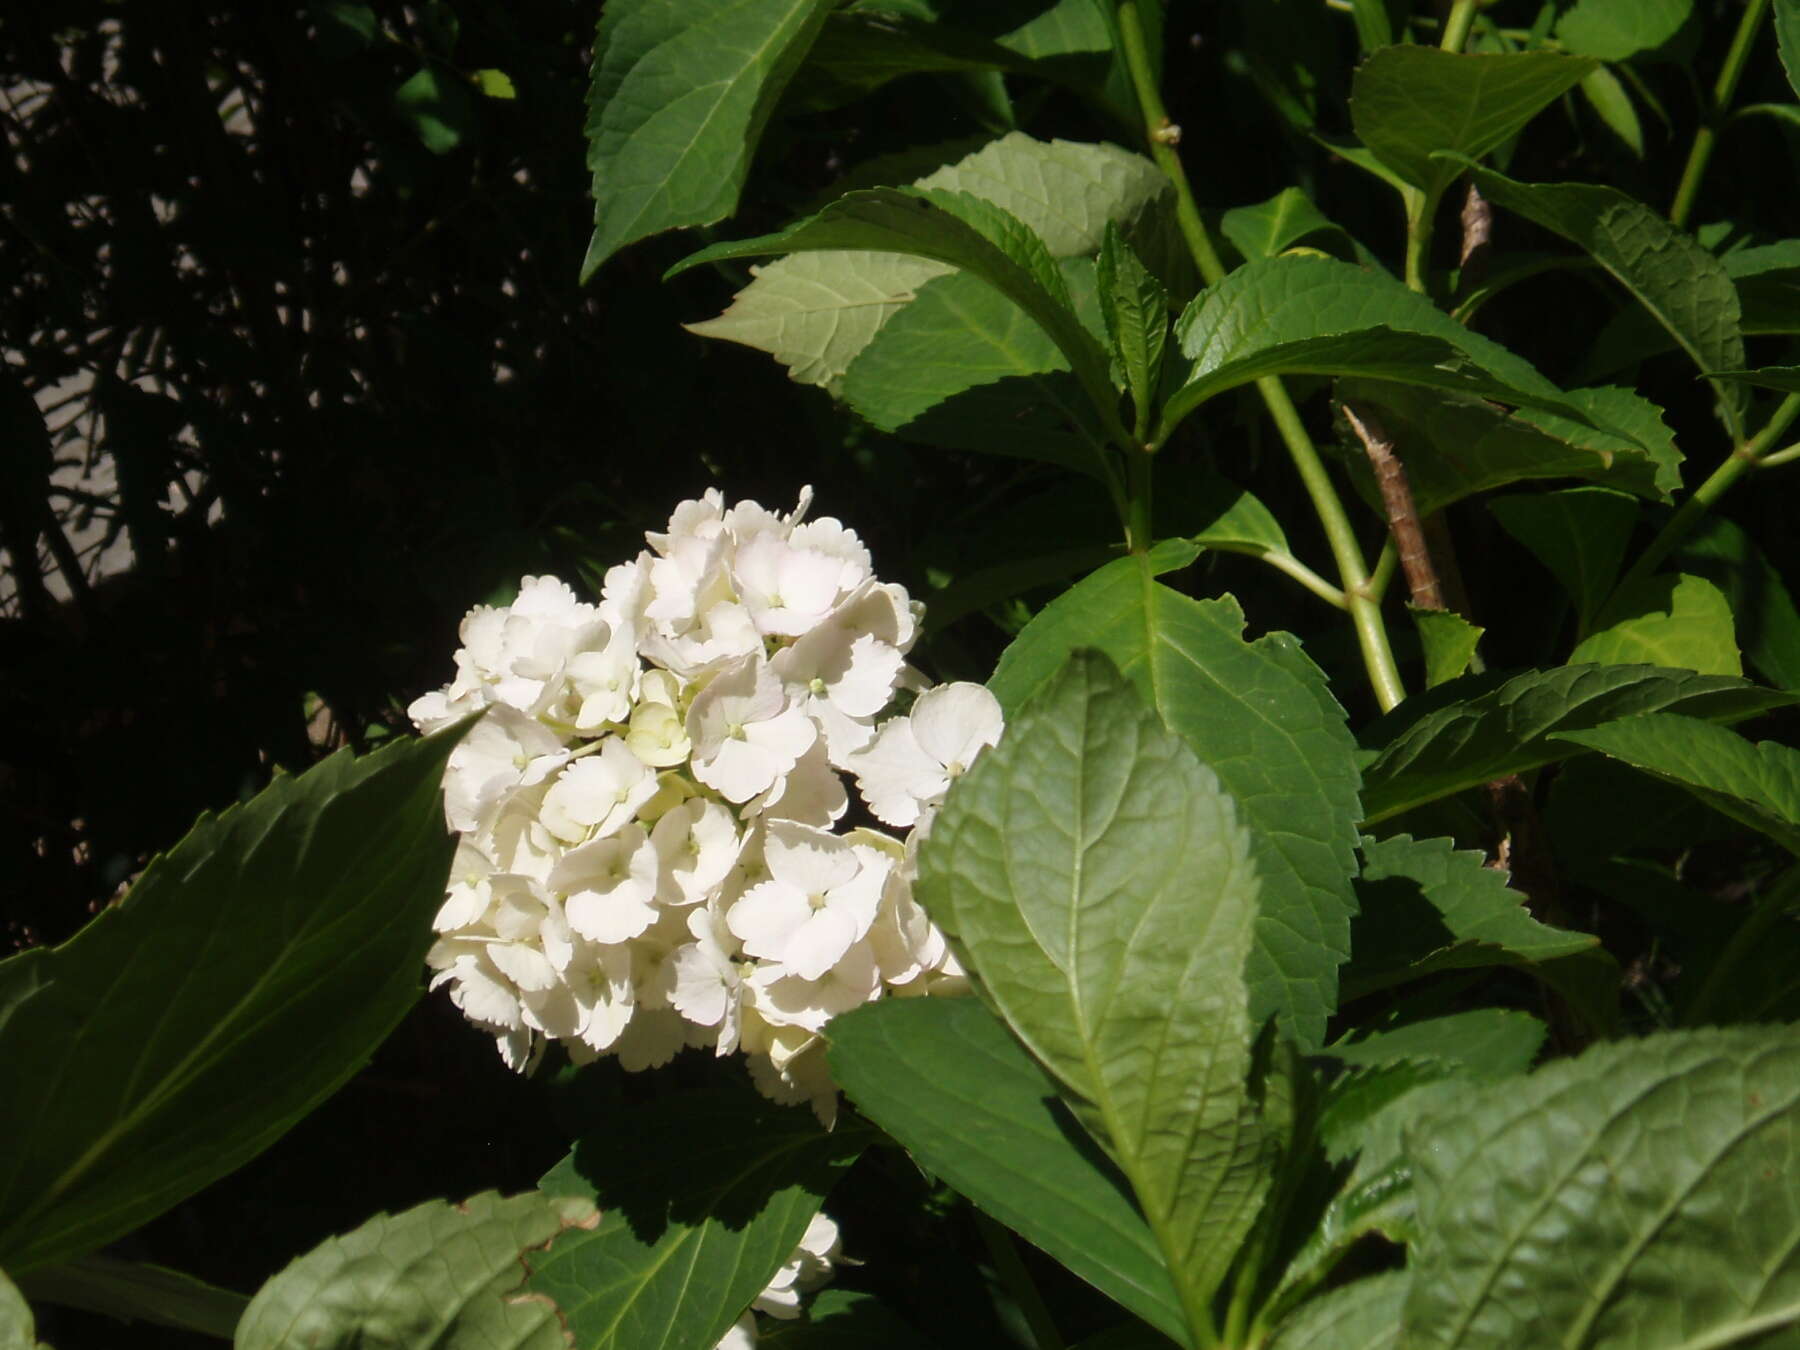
x=804 y=1271
x=650 y=852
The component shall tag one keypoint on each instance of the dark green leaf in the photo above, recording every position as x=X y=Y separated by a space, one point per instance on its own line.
x=660 y=163
x=1360 y=1316
x=1409 y=102
x=1669 y=620
x=1485 y=1043
x=702 y=1196
x=1234 y=520
x=946 y=1078
x=438 y=1274
x=1639 y=1195
x=1449 y=641
x=1607 y=97
x=1756 y=784
x=1260 y=716
x=1482 y=727
x=1426 y=906
x=1784 y=378
x=137 y=1291
x=1454 y=446
x=1768 y=625
x=1099 y=882
x=1318 y=316
x=1615 y=30
x=1579 y=534
x=438 y=108
x=1274 y=226
x=1136 y=310
x=1685 y=288
x=842 y=1319
x=245 y=978
x=1787 y=36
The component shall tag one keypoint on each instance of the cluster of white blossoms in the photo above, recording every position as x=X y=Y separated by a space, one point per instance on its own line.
x=807 y=1269
x=651 y=853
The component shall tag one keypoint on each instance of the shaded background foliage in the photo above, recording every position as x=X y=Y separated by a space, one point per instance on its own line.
x=305 y=274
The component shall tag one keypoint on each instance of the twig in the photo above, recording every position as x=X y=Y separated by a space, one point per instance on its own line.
x=1397 y=503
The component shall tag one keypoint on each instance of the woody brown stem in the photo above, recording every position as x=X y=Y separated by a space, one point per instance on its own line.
x=1397 y=503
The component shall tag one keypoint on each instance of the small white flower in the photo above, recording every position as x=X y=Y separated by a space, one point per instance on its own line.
x=709 y=978
x=605 y=681
x=697 y=843
x=820 y=899
x=611 y=886
x=745 y=734
x=914 y=759
x=598 y=794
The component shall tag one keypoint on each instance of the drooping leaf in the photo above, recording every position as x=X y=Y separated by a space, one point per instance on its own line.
x=1260 y=716
x=1768 y=624
x=440 y=1273
x=1098 y=881
x=1616 y=30
x=1638 y=1195
x=1756 y=784
x=1360 y=1316
x=1482 y=727
x=948 y=1080
x=1427 y=906
x=1579 y=534
x=1409 y=102
x=1136 y=309
x=842 y=1319
x=660 y=163
x=1318 y=316
x=1454 y=445
x=1669 y=620
x=1684 y=287
x=702 y=1196
x=245 y=978
x=1448 y=640
x=1274 y=226
x=950 y=228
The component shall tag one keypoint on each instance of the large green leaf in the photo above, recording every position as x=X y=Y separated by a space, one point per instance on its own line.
x=702 y=1196
x=1684 y=287
x=1454 y=445
x=1317 y=316
x=948 y=1080
x=953 y=228
x=1260 y=716
x=1100 y=885
x=1640 y=1195
x=1768 y=624
x=1757 y=784
x=1579 y=534
x=1668 y=620
x=661 y=162
x=1360 y=1316
x=1408 y=102
x=439 y=1274
x=1426 y=906
x=246 y=977
x=1482 y=727
x=1615 y=30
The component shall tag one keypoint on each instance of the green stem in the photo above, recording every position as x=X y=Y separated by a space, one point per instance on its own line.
x=1140 y=497
x=1711 y=117
x=1385 y=563
x=1752 y=454
x=1378 y=656
x=1456 y=27
x=1786 y=455
x=1011 y=1269
x=1421 y=219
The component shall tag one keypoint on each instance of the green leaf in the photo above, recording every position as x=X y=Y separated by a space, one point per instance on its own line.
x=1607 y=97
x=1260 y=716
x=494 y=84
x=950 y=228
x=702 y=1196
x=1136 y=310
x=1482 y=727
x=1360 y=1316
x=1454 y=446
x=1755 y=784
x=438 y=109
x=1685 y=288
x=441 y=1274
x=1318 y=316
x=245 y=978
x=137 y=1291
x=1234 y=520
x=1615 y=30
x=1787 y=40
x=17 y=1329
x=1783 y=378
x=1487 y=1042
x=948 y=1080
x=1579 y=534
x=1449 y=641
x=1639 y=1195
x=1101 y=886
x=1768 y=625
x=1274 y=226
x=1409 y=102
x=1669 y=620
x=1427 y=906
x=841 y=1319
x=658 y=162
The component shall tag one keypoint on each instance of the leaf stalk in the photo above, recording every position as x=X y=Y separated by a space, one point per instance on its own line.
x=1713 y=116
